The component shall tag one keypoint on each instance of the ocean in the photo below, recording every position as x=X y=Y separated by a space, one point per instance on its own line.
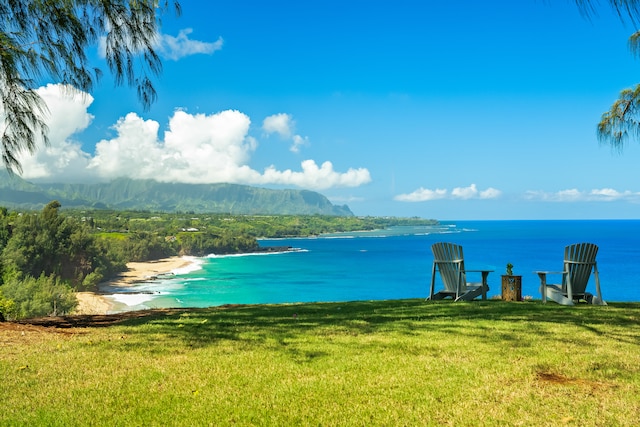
x=395 y=264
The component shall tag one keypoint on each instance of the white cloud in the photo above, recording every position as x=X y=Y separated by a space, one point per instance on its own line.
x=135 y=150
x=422 y=195
x=317 y=178
x=196 y=148
x=490 y=193
x=607 y=192
x=67 y=116
x=464 y=193
x=283 y=125
x=569 y=195
x=575 y=195
x=174 y=48
x=180 y=46
x=298 y=142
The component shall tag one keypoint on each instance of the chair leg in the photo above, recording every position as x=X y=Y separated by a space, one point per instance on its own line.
x=485 y=284
x=598 y=298
x=543 y=286
x=433 y=281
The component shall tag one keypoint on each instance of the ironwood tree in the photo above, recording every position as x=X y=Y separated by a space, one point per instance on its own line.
x=49 y=39
x=622 y=120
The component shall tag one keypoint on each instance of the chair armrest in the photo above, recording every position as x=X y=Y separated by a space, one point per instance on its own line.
x=485 y=274
x=543 y=275
x=485 y=285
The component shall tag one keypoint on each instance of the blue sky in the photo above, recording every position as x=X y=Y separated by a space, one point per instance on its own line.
x=447 y=110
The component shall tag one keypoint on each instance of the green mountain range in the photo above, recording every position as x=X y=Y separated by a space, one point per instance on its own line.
x=129 y=194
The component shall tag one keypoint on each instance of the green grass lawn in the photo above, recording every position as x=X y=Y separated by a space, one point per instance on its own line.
x=390 y=363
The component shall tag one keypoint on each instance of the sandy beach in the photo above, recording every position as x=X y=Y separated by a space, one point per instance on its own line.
x=96 y=303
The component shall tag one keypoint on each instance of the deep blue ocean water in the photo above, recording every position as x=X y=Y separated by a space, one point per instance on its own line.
x=396 y=263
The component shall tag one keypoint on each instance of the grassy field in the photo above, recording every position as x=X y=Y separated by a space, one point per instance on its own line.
x=390 y=363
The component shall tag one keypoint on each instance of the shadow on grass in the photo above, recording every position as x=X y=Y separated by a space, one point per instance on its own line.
x=490 y=320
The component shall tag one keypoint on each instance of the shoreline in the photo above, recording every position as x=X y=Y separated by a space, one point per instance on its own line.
x=136 y=272
x=100 y=301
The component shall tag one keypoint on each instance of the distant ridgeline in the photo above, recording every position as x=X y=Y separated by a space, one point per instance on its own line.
x=129 y=194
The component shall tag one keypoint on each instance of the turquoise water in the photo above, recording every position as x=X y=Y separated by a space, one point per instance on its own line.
x=396 y=263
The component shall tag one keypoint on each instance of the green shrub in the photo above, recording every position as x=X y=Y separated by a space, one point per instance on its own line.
x=7 y=308
x=44 y=296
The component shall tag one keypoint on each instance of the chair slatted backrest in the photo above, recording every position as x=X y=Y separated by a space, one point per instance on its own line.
x=448 y=259
x=579 y=261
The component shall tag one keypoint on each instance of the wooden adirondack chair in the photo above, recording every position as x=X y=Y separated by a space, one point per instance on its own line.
x=579 y=261
x=449 y=261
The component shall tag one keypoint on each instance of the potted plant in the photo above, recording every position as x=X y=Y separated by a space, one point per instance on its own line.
x=511 y=285
x=509 y=269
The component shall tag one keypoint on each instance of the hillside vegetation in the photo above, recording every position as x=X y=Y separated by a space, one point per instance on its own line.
x=47 y=255
x=129 y=194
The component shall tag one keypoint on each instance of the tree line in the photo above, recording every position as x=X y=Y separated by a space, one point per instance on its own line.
x=46 y=256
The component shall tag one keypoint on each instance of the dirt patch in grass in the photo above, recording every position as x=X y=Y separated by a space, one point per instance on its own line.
x=558 y=379
x=30 y=329
x=91 y=320
x=55 y=324
x=12 y=334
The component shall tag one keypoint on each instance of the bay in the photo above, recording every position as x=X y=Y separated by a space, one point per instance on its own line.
x=396 y=264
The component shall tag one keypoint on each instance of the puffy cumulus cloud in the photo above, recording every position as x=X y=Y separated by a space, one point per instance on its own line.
x=575 y=195
x=63 y=156
x=422 y=195
x=281 y=124
x=464 y=193
x=196 y=148
x=204 y=149
x=471 y=192
x=132 y=153
x=284 y=125
x=317 y=178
